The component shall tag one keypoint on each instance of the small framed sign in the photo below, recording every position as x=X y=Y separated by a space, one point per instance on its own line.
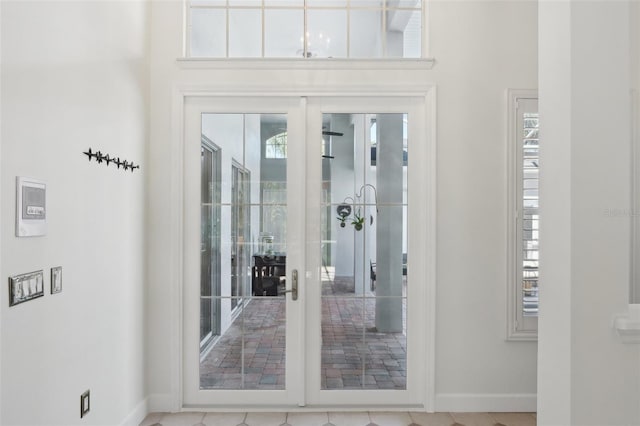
x=31 y=207
x=25 y=287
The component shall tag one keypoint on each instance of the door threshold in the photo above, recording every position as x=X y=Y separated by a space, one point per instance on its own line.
x=305 y=409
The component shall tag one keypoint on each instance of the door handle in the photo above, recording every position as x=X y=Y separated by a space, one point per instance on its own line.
x=294 y=285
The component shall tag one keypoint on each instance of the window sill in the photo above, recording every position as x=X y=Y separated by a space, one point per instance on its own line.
x=306 y=64
x=522 y=336
x=628 y=325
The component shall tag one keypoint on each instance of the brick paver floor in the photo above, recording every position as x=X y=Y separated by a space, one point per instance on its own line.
x=354 y=354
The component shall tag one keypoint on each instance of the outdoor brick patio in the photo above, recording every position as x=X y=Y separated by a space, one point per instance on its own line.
x=354 y=354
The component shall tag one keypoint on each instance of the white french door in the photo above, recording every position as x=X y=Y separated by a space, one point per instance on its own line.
x=322 y=299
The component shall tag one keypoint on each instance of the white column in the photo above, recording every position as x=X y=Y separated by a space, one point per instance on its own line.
x=361 y=273
x=342 y=186
x=586 y=376
x=389 y=225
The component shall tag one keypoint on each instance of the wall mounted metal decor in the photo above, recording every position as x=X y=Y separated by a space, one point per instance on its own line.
x=344 y=210
x=108 y=159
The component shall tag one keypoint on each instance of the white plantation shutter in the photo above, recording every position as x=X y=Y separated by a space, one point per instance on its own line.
x=524 y=216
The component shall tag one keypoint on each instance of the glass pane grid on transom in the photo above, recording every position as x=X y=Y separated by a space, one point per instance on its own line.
x=364 y=251
x=243 y=253
x=530 y=214
x=299 y=29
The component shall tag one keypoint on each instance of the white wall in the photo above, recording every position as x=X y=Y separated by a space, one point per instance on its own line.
x=74 y=76
x=481 y=48
x=587 y=375
x=634 y=46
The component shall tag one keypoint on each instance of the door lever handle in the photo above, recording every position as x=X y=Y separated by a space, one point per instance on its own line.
x=294 y=285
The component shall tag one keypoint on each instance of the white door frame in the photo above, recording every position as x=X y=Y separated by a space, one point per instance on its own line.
x=427 y=203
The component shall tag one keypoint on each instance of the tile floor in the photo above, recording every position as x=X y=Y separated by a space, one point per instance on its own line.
x=251 y=353
x=340 y=419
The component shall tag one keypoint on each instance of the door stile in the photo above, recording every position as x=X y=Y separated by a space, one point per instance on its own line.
x=313 y=287
x=296 y=219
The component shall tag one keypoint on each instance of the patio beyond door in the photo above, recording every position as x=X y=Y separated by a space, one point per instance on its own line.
x=315 y=202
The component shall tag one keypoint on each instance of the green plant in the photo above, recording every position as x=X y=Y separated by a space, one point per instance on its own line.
x=357 y=221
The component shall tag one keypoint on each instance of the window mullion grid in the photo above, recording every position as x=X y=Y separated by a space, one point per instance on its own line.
x=384 y=28
x=186 y=45
x=349 y=34
x=228 y=30
x=529 y=217
x=520 y=220
x=385 y=8
x=305 y=30
x=262 y=15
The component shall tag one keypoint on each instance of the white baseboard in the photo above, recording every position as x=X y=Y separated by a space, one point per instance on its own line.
x=137 y=415
x=161 y=403
x=483 y=402
x=445 y=402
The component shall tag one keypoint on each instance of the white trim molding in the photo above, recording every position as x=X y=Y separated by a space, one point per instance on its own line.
x=161 y=403
x=177 y=248
x=405 y=88
x=137 y=415
x=431 y=249
x=628 y=325
x=516 y=329
x=306 y=64
x=484 y=402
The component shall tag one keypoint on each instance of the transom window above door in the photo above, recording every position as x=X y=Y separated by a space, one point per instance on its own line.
x=358 y=29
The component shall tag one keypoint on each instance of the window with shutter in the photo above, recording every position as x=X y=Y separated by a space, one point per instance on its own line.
x=523 y=270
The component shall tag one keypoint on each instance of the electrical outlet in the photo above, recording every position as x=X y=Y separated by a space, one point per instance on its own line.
x=85 y=403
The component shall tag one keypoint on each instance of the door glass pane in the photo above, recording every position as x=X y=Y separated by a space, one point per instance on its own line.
x=264 y=343
x=249 y=206
x=342 y=331
x=364 y=252
x=209 y=244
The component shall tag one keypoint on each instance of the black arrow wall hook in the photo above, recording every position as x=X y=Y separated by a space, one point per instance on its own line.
x=108 y=159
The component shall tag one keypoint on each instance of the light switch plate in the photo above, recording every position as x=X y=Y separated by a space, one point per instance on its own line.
x=25 y=287
x=56 y=280
x=85 y=403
